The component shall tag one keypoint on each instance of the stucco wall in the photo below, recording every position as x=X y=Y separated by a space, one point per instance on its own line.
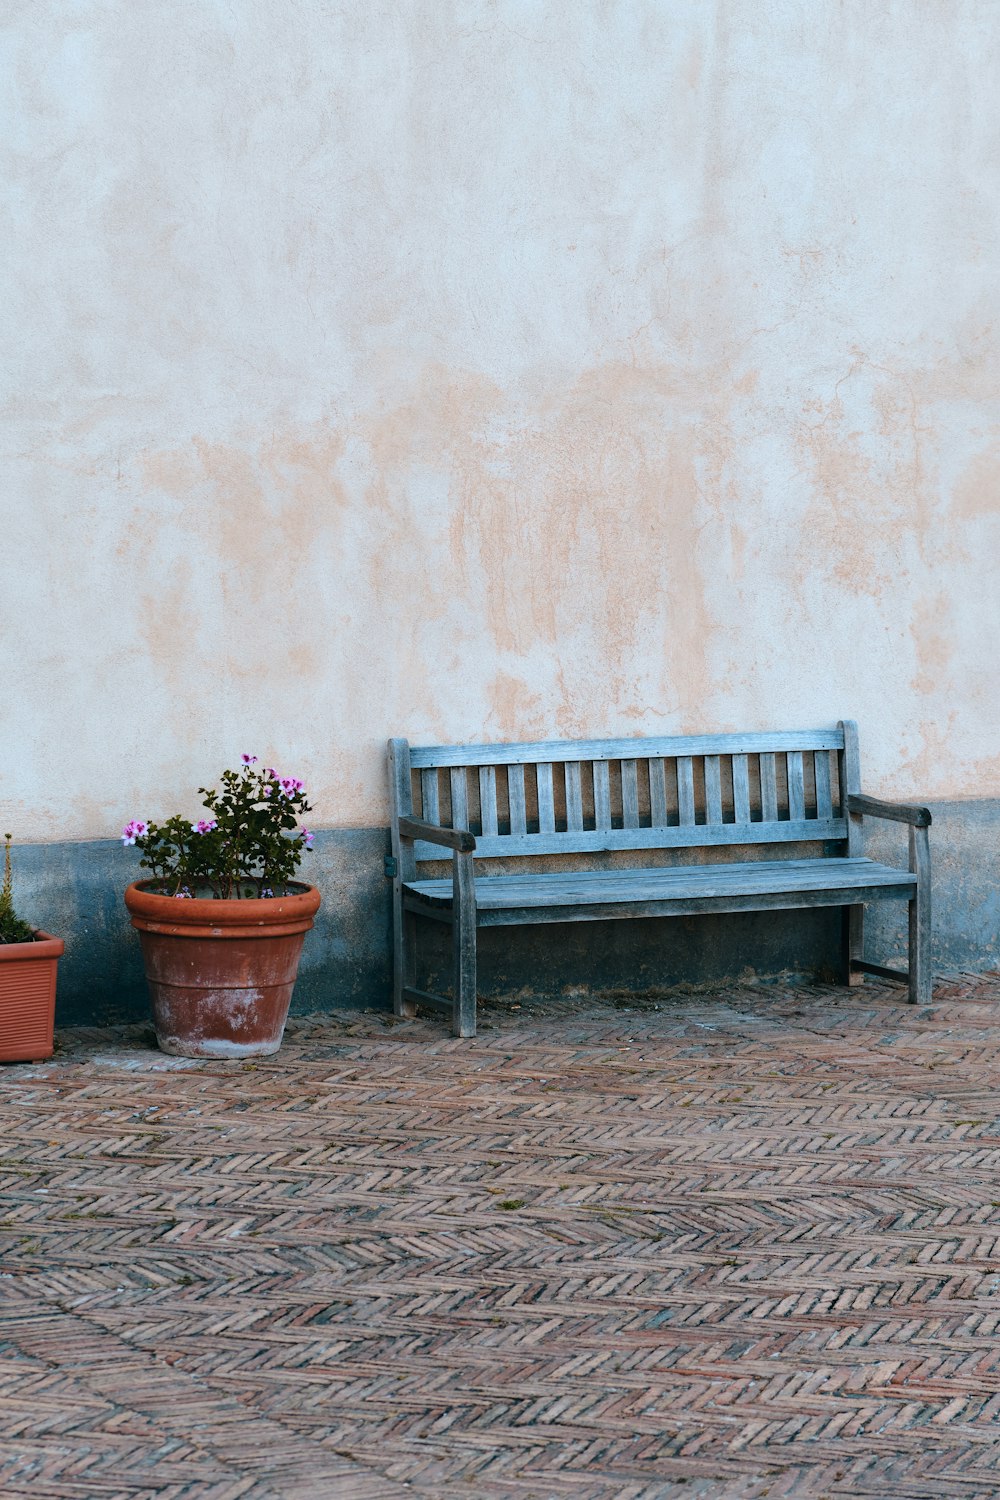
x=489 y=370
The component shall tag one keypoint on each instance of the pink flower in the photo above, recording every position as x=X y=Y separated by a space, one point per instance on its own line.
x=249 y=760
x=290 y=785
x=133 y=831
x=306 y=837
x=272 y=773
x=203 y=826
x=265 y=791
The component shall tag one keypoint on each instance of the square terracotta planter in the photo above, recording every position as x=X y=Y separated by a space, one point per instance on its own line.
x=28 y=997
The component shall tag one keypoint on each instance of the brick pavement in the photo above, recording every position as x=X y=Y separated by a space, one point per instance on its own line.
x=735 y=1244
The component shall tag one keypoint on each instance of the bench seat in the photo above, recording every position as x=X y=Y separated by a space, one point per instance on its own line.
x=753 y=885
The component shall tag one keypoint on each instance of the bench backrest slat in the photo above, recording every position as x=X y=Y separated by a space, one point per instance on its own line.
x=563 y=750
x=488 y=800
x=587 y=796
x=430 y=798
x=574 y=797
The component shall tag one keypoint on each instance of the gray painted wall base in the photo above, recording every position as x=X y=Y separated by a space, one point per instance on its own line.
x=75 y=891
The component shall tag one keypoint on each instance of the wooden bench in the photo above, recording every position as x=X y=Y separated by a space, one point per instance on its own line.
x=672 y=801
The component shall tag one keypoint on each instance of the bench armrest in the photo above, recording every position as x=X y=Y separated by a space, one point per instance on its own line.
x=459 y=839
x=896 y=812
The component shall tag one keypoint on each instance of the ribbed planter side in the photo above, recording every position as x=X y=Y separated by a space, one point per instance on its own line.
x=28 y=997
x=221 y=973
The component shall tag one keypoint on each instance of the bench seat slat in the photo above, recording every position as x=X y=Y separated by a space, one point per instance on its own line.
x=529 y=753
x=605 y=887
x=680 y=906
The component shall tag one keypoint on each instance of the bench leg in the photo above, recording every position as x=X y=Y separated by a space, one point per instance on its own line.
x=463 y=1020
x=404 y=956
x=463 y=1017
x=853 y=942
x=921 y=978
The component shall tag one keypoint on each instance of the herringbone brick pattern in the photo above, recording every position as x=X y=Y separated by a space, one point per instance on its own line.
x=726 y=1245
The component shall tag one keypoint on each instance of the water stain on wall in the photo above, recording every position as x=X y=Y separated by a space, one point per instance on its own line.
x=566 y=558
x=565 y=552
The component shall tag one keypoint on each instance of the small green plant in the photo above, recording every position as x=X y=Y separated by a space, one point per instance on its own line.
x=12 y=929
x=249 y=847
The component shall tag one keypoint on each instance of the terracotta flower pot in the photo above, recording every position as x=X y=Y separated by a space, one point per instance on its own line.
x=28 y=997
x=220 y=973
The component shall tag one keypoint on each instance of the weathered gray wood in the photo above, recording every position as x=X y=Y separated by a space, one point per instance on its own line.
x=659 y=812
x=401 y=800
x=713 y=789
x=679 y=907
x=896 y=812
x=430 y=797
x=683 y=907
x=796 y=786
x=587 y=887
x=435 y=909
x=853 y=944
x=685 y=791
x=921 y=978
x=443 y=838
x=488 y=800
x=459 y=797
x=824 y=791
x=409 y=961
x=692 y=836
x=528 y=752
x=466 y=901
x=881 y=972
x=768 y=788
x=463 y=1019
x=546 y=805
x=574 y=797
x=741 y=789
x=630 y=794
x=850 y=785
x=415 y=997
x=602 y=794
x=686 y=907
x=516 y=803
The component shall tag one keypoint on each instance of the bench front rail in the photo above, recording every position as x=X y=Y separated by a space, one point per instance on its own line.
x=475 y=804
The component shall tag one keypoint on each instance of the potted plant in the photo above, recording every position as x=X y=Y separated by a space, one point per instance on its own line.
x=222 y=920
x=29 y=959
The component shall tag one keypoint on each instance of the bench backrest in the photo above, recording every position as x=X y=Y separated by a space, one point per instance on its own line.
x=587 y=796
